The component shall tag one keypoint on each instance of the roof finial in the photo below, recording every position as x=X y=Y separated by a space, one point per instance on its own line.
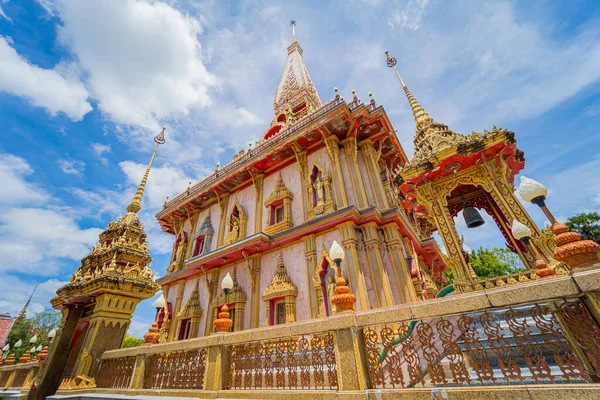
x=293 y=25
x=421 y=116
x=136 y=202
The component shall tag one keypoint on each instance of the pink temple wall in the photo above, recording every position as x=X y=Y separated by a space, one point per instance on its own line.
x=365 y=178
x=347 y=182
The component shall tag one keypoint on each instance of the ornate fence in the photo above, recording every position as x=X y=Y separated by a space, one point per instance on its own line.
x=544 y=333
x=290 y=363
x=176 y=370
x=115 y=373
x=512 y=345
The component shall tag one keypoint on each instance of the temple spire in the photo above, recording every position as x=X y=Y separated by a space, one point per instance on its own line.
x=136 y=202
x=295 y=86
x=293 y=25
x=422 y=119
x=23 y=312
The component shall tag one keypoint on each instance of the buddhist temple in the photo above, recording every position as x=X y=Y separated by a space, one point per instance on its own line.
x=306 y=267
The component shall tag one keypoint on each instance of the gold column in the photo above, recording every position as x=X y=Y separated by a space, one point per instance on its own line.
x=223 y=202
x=259 y=181
x=369 y=154
x=174 y=321
x=212 y=285
x=358 y=187
x=452 y=243
x=310 y=254
x=290 y=309
x=301 y=160
x=382 y=280
x=193 y=226
x=166 y=325
x=339 y=190
x=254 y=268
x=393 y=243
x=356 y=276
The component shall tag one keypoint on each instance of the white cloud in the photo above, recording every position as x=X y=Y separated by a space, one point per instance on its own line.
x=31 y=235
x=15 y=292
x=409 y=17
x=72 y=167
x=99 y=150
x=44 y=88
x=34 y=232
x=15 y=189
x=142 y=59
x=2 y=13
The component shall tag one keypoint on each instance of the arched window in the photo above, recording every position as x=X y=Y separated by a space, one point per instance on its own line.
x=279 y=205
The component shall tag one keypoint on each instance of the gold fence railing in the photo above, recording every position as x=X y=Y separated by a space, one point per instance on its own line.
x=290 y=363
x=515 y=345
x=18 y=376
x=542 y=334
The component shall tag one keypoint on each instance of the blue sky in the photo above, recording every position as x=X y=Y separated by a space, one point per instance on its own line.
x=84 y=85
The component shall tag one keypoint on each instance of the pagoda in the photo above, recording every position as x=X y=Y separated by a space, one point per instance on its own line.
x=98 y=302
x=320 y=174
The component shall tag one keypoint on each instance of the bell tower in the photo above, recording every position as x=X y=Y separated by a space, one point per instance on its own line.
x=450 y=172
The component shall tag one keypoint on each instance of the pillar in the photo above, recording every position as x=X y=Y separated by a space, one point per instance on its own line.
x=310 y=256
x=339 y=190
x=303 y=169
x=356 y=277
x=369 y=154
x=358 y=187
x=393 y=243
x=254 y=268
x=51 y=374
x=259 y=181
x=373 y=247
x=174 y=320
x=191 y=240
x=223 y=203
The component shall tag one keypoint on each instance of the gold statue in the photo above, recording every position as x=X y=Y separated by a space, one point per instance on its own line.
x=234 y=230
x=320 y=191
x=331 y=291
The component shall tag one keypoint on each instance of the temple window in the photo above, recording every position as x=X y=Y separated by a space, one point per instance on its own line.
x=203 y=238
x=188 y=319
x=198 y=245
x=279 y=205
x=184 y=330
x=279 y=313
x=280 y=297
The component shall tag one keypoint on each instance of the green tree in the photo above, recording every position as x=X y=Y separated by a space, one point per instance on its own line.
x=491 y=262
x=587 y=225
x=132 y=341
x=24 y=329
